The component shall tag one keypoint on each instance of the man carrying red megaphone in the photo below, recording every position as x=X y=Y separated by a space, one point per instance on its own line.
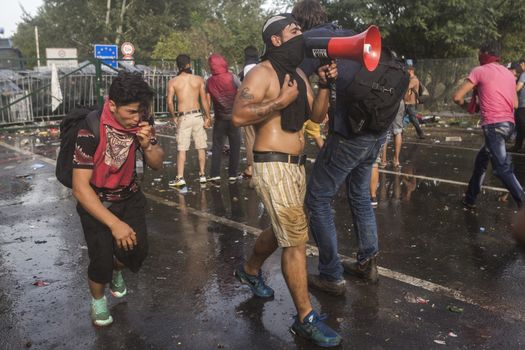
x=369 y=88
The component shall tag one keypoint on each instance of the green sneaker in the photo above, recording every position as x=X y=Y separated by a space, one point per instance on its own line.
x=117 y=287
x=100 y=313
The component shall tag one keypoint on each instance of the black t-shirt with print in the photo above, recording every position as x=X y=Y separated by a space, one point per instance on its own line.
x=83 y=158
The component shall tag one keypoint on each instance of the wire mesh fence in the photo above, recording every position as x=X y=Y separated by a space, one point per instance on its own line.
x=26 y=95
x=442 y=77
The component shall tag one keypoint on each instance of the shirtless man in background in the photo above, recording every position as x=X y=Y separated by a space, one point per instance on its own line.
x=276 y=98
x=188 y=117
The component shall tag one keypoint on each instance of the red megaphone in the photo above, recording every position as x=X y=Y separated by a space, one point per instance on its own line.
x=364 y=47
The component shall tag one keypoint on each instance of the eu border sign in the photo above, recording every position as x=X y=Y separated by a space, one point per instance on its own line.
x=108 y=54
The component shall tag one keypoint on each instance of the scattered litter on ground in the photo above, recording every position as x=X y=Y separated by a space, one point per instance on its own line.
x=456 y=309
x=420 y=300
x=40 y=242
x=167 y=162
x=161 y=278
x=453 y=139
x=413 y=299
x=482 y=229
x=157 y=179
x=26 y=176
x=9 y=167
x=40 y=283
x=83 y=247
x=311 y=251
x=180 y=252
x=340 y=319
x=37 y=166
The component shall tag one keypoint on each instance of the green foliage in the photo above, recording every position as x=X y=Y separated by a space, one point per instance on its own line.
x=434 y=28
x=163 y=29
x=157 y=28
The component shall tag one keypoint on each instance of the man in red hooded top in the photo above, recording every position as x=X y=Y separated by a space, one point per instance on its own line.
x=110 y=203
x=222 y=88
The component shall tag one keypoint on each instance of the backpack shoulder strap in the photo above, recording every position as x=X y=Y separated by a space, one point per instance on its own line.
x=93 y=122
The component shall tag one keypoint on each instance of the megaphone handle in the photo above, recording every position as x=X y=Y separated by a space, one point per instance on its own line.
x=331 y=81
x=333 y=91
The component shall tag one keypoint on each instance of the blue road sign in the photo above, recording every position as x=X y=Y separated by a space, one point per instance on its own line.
x=108 y=54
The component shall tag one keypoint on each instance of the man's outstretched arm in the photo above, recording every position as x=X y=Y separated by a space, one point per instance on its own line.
x=459 y=95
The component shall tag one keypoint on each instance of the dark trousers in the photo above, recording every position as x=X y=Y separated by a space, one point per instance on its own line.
x=102 y=248
x=520 y=128
x=221 y=130
x=494 y=151
x=341 y=161
x=412 y=115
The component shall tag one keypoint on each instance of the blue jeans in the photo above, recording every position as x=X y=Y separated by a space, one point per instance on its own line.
x=342 y=160
x=494 y=150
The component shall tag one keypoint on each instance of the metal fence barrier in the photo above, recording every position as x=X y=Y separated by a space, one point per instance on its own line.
x=26 y=96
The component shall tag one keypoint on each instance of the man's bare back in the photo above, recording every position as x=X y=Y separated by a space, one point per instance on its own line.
x=187 y=88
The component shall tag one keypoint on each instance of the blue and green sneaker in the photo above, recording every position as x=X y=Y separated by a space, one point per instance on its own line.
x=314 y=329
x=117 y=287
x=256 y=283
x=100 y=313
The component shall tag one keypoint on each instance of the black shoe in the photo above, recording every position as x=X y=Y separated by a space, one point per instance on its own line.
x=470 y=206
x=366 y=271
x=334 y=288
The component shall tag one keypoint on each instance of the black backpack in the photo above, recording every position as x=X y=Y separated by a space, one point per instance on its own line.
x=76 y=119
x=372 y=99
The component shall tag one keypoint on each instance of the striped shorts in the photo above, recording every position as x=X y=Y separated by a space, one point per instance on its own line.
x=282 y=187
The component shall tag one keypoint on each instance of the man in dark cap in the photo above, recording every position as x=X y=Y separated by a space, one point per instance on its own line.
x=277 y=99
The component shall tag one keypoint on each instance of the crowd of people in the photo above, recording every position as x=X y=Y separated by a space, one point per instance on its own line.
x=273 y=103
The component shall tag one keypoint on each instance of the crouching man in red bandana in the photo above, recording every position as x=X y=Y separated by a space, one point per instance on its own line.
x=110 y=202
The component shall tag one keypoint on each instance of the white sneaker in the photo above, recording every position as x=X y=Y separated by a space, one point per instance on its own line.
x=234 y=178
x=215 y=178
x=178 y=182
x=202 y=179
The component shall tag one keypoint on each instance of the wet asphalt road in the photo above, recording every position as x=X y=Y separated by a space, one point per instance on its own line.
x=185 y=297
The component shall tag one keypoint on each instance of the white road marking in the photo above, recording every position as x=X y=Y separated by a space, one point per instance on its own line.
x=455 y=147
x=312 y=250
x=422 y=177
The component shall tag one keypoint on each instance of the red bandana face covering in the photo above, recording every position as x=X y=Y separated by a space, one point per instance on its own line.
x=114 y=159
x=485 y=58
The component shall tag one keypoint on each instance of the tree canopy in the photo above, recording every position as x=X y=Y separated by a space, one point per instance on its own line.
x=437 y=28
x=163 y=29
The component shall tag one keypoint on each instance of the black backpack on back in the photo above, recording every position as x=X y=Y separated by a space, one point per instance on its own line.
x=76 y=119
x=372 y=99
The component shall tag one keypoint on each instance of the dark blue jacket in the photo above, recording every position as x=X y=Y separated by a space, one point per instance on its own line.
x=346 y=69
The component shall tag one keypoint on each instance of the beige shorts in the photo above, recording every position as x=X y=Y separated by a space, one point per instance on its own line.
x=282 y=187
x=191 y=125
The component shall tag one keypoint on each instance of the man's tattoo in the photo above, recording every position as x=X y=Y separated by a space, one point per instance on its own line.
x=264 y=109
x=245 y=94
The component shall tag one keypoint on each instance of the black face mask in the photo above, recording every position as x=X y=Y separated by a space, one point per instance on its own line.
x=290 y=54
x=285 y=59
x=186 y=70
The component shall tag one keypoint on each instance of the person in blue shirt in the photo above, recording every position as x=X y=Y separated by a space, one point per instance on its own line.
x=345 y=157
